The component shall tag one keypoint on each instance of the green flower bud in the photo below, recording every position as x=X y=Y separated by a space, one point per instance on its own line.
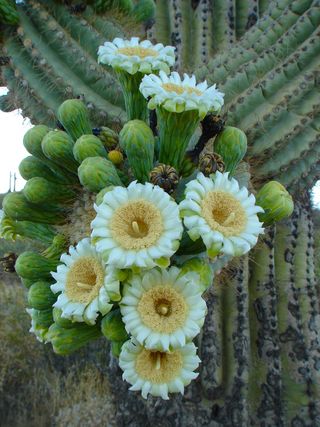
x=96 y=173
x=231 y=144
x=276 y=202
x=113 y=327
x=74 y=117
x=108 y=137
x=137 y=140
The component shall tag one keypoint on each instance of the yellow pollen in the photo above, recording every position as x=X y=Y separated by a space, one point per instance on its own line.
x=163 y=309
x=172 y=87
x=224 y=213
x=84 y=280
x=142 y=52
x=158 y=367
x=136 y=225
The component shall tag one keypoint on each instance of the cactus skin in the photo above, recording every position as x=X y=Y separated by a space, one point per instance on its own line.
x=95 y=173
x=8 y=12
x=137 y=140
x=231 y=144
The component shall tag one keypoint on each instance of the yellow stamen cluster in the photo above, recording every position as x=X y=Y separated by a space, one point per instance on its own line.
x=224 y=213
x=142 y=52
x=84 y=280
x=163 y=309
x=158 y=367
x=171 y=87
x=136 y=225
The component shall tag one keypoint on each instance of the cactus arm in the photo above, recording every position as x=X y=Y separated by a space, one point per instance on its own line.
x=242 y=12
x=304 y=140
x=36 y=81
x=76 y=51
x=265 y=363
x=220 y=67
x=210 y=344
x=162 y=30
x=65 y=74
x=295 y=311
x=235 y=343
x=285 y=121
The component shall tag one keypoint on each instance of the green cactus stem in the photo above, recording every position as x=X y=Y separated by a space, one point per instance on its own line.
x=175 y=132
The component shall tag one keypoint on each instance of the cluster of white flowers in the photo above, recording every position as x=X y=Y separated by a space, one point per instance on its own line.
x=137 y=230
x=129 y=260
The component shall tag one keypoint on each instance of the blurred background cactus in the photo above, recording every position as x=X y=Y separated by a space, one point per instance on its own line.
x=260 y=368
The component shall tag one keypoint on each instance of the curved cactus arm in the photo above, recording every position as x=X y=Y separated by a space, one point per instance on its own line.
x=59 y=50
x=296 y=148
x=279 y=56
x=33 y=107
x=285 y=120
x=50 y=65
x=257 y=41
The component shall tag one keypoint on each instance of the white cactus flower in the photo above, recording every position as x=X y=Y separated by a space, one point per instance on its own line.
x=133 y=56
x=177 y=95
x=138 y=226
x=222 y=214
x=156 y=372
x=85 y=284
x=163 y=309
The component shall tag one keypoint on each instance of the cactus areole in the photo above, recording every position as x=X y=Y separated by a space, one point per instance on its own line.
x=169 y=256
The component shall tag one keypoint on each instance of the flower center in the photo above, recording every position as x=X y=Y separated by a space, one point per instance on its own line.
x=158 y=367
x=136 y=225
x=224 y=213
x=84 y=280
x=163 y=309
x=171 y=87
x=142 y=52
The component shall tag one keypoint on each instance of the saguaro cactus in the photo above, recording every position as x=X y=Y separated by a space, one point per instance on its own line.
x=260 y=343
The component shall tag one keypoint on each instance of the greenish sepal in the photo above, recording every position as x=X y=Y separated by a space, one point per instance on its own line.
x=214 y=250
x=113 y=327
x=162 y=262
